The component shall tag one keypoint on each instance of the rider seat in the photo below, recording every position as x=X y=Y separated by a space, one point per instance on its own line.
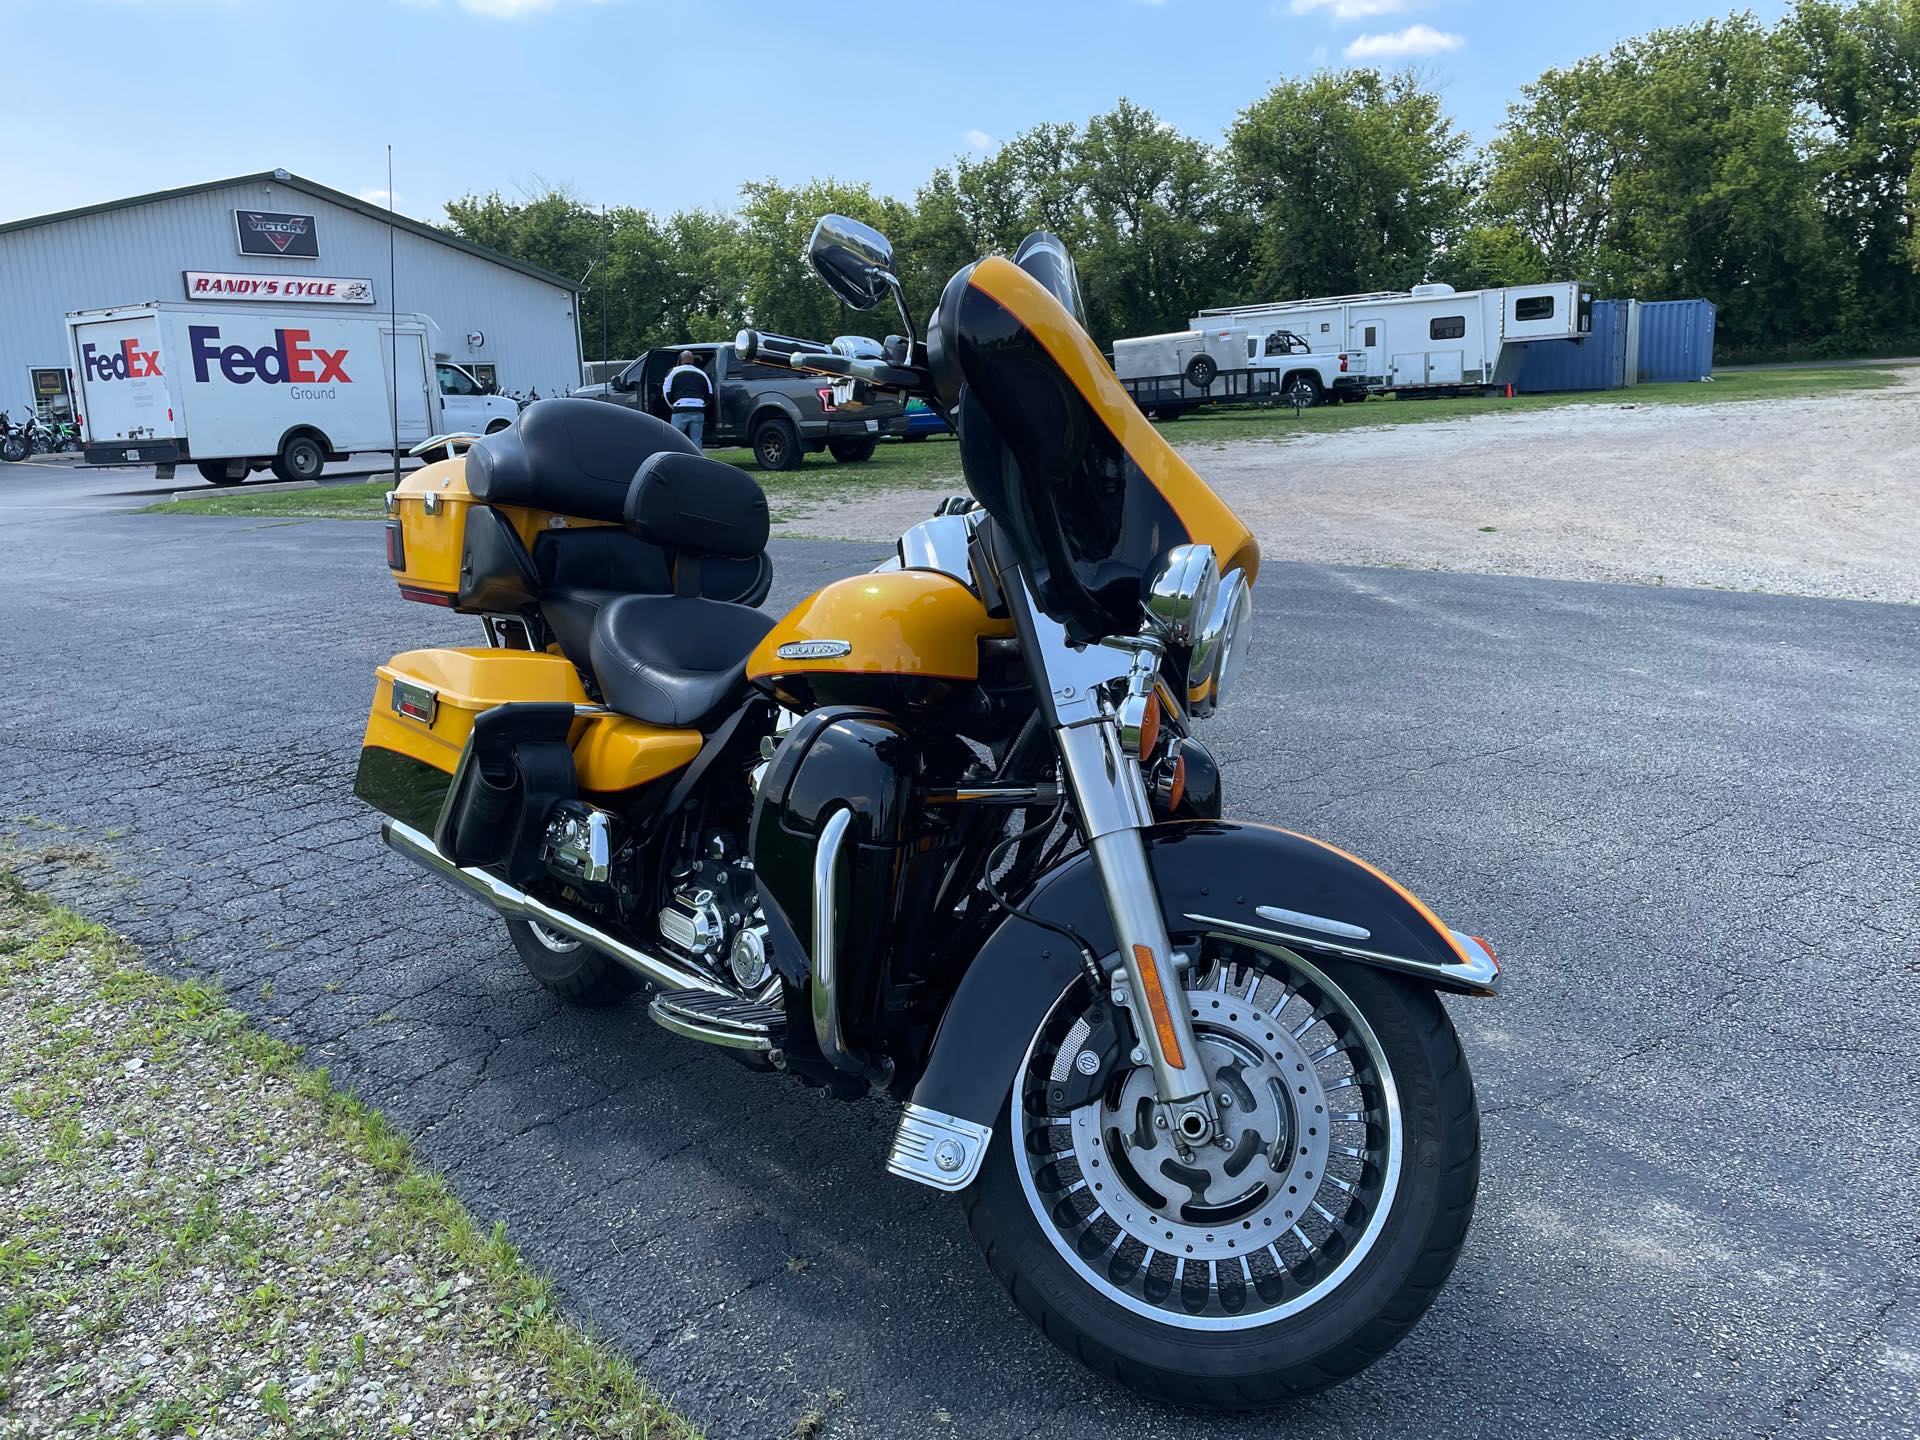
x=677 y=660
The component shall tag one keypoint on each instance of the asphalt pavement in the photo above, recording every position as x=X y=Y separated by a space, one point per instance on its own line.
x=1688 y=820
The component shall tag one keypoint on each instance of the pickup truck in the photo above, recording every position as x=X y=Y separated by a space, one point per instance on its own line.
x=1231 y=365
x=779 y=415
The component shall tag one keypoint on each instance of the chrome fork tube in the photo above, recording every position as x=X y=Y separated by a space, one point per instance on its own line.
x=1110 y=796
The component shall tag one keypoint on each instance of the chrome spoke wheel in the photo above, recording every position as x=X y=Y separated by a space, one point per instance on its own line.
x=552 y=939
x=1262 y=1221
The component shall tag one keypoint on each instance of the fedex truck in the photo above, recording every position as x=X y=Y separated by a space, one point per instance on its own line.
x=235 y=391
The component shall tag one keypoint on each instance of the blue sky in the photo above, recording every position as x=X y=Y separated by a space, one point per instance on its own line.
x=666 y=105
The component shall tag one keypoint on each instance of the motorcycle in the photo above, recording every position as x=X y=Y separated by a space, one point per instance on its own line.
x=15 y=440
x=945 y=830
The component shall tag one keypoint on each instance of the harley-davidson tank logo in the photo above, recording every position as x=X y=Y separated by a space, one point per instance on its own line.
x=814 y=649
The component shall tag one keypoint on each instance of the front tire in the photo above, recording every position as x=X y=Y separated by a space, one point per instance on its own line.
x=574 y=971
x=776 y=444
x=1304 y=1282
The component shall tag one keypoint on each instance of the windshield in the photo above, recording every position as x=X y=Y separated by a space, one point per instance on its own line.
x=1087 y=491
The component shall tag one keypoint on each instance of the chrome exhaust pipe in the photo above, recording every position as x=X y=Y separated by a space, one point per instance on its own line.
x=497 y=894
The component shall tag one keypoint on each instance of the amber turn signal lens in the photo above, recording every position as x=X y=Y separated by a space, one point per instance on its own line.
x=1150 y=727
x=1177 y=791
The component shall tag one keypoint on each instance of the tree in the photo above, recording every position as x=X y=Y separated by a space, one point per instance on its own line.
x=1676 y=165
x=1858 y=69
x=1352 y=180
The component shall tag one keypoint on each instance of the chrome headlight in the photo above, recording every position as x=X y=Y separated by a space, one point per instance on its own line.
x=1182 y=592
x=1220 y=649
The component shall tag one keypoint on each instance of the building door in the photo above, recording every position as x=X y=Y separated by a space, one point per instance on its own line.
x=53 y=394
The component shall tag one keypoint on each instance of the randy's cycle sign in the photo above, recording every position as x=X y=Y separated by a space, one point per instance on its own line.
x=274 y=232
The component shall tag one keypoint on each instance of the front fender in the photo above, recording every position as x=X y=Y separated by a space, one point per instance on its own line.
x=1228 y=876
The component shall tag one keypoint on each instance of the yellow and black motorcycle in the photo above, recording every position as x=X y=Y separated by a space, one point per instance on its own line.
x=944 y=830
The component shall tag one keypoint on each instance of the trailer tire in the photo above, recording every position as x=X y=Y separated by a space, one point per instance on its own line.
x=214 y=472
x=301 y=457
x=1201 y=371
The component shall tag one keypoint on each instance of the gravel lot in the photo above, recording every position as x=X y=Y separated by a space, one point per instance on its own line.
x=1818 y=495
x=1689 y=820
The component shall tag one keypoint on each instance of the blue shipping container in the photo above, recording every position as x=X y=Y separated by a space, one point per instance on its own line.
x=1676 y=339
x=1596 y=362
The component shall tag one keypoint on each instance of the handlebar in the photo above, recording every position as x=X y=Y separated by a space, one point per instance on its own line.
x=811 y=358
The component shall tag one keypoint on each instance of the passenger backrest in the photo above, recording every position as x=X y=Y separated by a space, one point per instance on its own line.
x=573 y=457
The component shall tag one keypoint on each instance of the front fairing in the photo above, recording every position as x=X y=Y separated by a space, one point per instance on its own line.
x=1086 y=491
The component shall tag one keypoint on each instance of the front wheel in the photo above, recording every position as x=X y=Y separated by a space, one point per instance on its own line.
x=1282 y=1257
x=776 y=444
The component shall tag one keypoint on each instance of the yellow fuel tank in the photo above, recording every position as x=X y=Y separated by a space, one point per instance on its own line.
x=900 y=637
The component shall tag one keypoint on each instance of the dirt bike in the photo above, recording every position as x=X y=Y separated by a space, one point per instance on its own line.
x=945 y=830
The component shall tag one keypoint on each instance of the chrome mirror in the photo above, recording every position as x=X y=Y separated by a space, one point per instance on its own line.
x=1221 y=646
x=1181 y=592
x=854 y=260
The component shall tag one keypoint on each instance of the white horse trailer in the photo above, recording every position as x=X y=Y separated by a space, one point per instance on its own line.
x=1432 y=339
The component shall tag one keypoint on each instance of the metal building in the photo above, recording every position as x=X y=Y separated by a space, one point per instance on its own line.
x=275 y=241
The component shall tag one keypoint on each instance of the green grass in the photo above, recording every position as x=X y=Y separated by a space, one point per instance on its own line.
x=901 y=465
x=465 y=1289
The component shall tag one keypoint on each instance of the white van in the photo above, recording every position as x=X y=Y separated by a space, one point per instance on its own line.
x=236 y=391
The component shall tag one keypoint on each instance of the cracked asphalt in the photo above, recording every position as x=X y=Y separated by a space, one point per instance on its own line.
x=1687 y=820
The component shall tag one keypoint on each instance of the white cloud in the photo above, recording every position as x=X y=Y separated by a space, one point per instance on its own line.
x=1352 y=9
x=978 y=140
x=377 y=197
x=1395 y=44
x=1318 y=57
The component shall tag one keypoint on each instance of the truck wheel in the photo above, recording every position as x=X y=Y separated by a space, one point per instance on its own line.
x=776 y=445
x=301 y=458
x=214 y=472
x=852 y=452
x=1304 y=389
x=1201 y=371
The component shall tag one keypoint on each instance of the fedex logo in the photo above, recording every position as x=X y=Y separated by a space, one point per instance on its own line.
x=128 y=362
x=289 y=359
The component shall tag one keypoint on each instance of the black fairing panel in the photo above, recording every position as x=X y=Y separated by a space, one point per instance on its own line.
x=1085 y=520
x=867 y=763
x=1219 y=869
x=573 y=457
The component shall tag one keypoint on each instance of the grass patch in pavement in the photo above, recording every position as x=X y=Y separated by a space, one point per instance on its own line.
x=200 y=1235
x=907 y=465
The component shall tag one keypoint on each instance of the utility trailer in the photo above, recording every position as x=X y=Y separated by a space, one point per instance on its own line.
x=1170 y=374
x=1430 y=340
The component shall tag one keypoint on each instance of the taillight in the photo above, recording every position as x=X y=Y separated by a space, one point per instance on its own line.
x=396 y=547
x=1343 y=364
x=426 y=597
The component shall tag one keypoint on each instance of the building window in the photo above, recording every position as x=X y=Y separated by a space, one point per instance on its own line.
x=1533 y=307
x=1447 y=327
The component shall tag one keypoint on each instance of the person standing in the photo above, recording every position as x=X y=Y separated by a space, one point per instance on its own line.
x=687 y=389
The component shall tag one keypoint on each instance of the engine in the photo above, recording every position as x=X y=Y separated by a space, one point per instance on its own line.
x=712 y=915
